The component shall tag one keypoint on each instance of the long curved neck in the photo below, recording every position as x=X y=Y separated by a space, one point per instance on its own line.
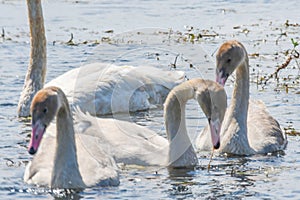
x=240 y=96
x=35 y=77
x=66 y=172
x=237 y=114
x=181 y=151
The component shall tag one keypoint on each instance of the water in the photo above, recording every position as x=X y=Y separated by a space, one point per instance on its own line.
x=154 y=33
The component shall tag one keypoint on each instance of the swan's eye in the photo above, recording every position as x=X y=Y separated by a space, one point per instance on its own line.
x=209 y=119
x=45 y=110
x=228 y=60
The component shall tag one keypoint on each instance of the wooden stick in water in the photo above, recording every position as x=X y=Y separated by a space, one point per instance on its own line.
x=210 y=159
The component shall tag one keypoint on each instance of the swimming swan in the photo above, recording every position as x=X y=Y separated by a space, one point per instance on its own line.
x=64 y=160
x=96 y=88
x=247 y=128
x=138 y=145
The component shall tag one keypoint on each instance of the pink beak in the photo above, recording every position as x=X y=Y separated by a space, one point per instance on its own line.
x=215 y=127
x=38 y=130
x=221 y=79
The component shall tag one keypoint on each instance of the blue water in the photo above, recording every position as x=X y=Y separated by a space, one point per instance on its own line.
x=154 y=33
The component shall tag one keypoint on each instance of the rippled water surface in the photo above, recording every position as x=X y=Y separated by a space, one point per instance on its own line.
x=155 y=33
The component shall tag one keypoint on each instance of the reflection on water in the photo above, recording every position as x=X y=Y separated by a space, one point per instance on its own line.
x=259 y=25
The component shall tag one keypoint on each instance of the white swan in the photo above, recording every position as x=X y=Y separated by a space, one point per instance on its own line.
x=65 y=160
x=129 y=143
x=101 y=89
x=97 y=88
x=247 y=128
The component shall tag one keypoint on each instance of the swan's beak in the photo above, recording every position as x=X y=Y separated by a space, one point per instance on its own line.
x=221 y=77
x=38 y=130
x=215 y=127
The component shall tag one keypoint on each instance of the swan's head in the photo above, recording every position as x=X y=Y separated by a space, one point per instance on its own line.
x=230 y=55
x=213 y=101
x=43 y=109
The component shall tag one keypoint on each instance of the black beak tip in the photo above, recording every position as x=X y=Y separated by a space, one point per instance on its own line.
x=217 y=146
x=31 y=151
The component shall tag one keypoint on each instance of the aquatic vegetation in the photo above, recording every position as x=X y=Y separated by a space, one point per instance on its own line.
x=287 y=24
x=289 y=81
x=290 y=130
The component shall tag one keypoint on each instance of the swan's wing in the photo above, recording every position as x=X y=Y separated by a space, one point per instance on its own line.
x=79 y=85
x=264 y=132
x=158 y=82
x=95 y=166
x=98 y=88
x=127 y=88
x=127 y=142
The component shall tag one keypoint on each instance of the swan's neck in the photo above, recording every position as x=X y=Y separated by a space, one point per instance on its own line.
x=181 y=151
x=240 y=97
x=35 y=77
x=66 y=172
x=236 y=120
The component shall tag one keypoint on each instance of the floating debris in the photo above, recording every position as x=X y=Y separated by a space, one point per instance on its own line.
x=210 y=160
x=291 y=54
x=70 y=42
x=254 y=55
x=291 y=131
x=173 y=65
x=106 y=39
x=287 y=24
x=3 y=33
x=109 y=31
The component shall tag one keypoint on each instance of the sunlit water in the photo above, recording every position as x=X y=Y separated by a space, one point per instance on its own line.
x=154 y=33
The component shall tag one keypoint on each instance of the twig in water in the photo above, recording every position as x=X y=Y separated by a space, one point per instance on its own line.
x=280 y=36
x=287 y=24
x=210 y=160
x=3 y=33
x=173 y=65
x=294 y=54
x=70 y=42
x=283 y=66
